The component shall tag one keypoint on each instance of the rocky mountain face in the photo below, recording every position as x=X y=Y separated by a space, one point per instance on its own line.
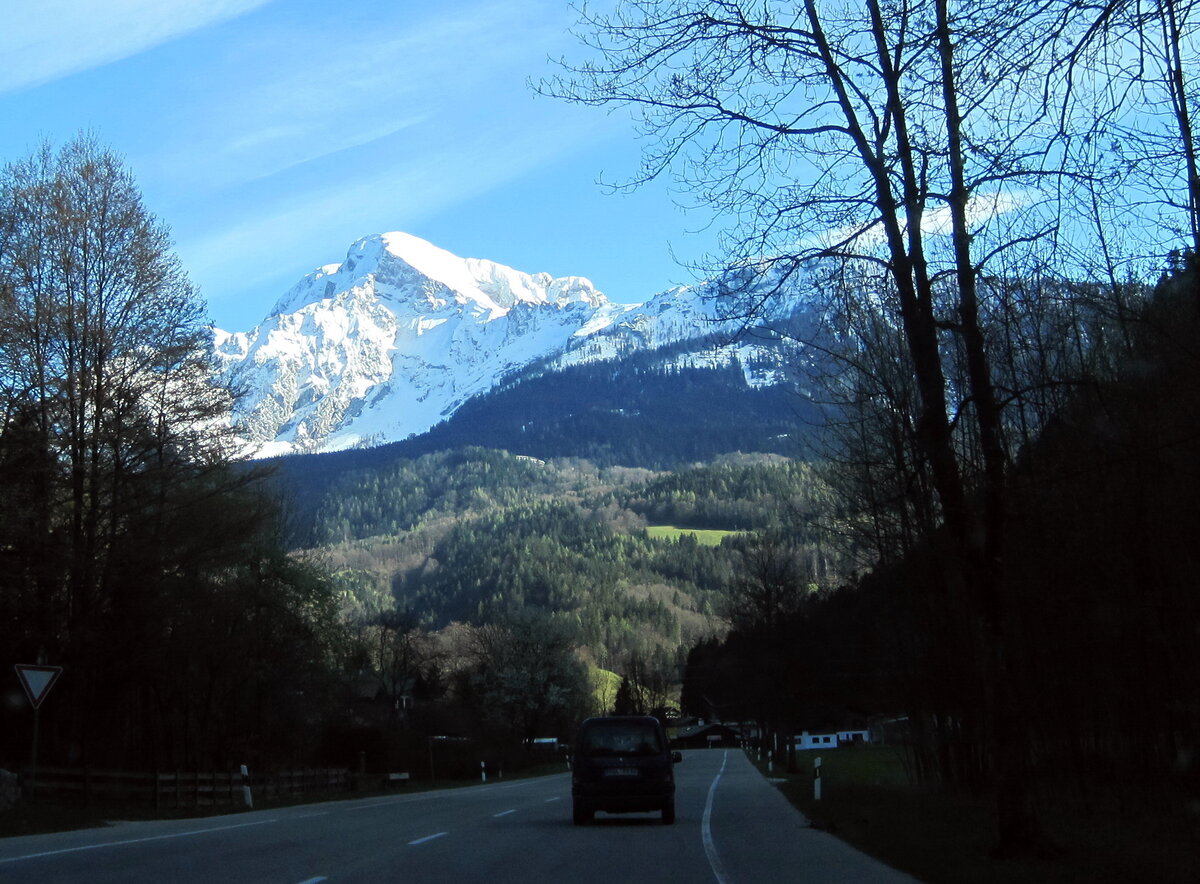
x=399 y=335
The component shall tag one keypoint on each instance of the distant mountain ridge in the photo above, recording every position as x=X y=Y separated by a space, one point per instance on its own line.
x=396 y=338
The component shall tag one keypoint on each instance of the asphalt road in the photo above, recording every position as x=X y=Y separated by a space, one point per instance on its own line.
x=732 y=827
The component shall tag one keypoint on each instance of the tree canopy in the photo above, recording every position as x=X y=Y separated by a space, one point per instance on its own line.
x=133 y=555
x=943 y=175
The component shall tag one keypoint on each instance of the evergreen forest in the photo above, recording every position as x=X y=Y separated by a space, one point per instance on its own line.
x=474 y=535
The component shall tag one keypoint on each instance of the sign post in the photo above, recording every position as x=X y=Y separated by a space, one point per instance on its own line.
x=817 y=778
x=37 y=681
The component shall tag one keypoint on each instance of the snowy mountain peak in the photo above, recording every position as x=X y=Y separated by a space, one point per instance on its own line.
x=398 y=335
x=408 y=270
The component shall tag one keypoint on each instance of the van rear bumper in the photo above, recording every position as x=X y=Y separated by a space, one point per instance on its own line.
x=649 y=796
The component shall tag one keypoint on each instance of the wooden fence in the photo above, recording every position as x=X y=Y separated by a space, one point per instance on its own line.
x=182 y=789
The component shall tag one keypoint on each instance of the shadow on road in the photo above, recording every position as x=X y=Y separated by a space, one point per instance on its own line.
x=624 y=821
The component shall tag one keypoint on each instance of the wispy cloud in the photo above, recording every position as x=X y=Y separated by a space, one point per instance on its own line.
x=982 y=209
x=282 y=134
x=51 y=39
x=304 y=223
x=289 y=96
x=315 y=136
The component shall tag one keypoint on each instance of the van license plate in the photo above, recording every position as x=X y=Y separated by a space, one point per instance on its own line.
x=621 y=772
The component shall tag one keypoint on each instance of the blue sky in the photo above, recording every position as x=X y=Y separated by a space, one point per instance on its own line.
x=270 y=134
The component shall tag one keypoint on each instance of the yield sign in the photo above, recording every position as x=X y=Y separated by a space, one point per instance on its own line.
x=37 y=680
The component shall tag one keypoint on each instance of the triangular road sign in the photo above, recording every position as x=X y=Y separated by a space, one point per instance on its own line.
x=37 y=680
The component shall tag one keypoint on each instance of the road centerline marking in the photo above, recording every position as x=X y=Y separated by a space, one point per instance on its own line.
x=503 y=813
x=426 y=838
x=389 y=802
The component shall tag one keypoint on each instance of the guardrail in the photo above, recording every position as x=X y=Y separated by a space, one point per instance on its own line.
x=183 y=788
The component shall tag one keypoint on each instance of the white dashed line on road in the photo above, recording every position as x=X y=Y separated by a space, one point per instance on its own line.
x=426 y=838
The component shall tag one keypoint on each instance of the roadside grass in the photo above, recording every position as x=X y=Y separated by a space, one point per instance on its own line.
x=942 y=838
x=43 y=817
x=704 y=536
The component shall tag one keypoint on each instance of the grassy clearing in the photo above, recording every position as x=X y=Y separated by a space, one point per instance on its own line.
x=945 y=839
x=604 y=686
x=704 y=536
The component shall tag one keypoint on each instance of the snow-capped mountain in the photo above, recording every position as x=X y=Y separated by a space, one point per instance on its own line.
x=396 y=337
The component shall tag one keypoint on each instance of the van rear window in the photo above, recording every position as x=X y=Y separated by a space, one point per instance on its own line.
x=621 y=739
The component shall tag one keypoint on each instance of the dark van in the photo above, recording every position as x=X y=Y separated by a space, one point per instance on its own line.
x=623 y=764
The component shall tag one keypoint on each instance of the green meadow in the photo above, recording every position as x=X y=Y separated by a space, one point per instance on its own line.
x=704 y=536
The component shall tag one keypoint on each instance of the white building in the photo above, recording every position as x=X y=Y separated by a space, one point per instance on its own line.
x=832 y=739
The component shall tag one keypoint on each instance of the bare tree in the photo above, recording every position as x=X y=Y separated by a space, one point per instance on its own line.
x=105 y=386
x=645 y=687
x=402 y=654
x=104 y=347
x=527 y=679
x=1129 y=94
x=913 y=142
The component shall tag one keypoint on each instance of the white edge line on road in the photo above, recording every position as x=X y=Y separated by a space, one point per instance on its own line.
x=316 y=880
x=552 y=800
x=503 y=813
x=13 y=859
x=426 y=838
x=710 y=849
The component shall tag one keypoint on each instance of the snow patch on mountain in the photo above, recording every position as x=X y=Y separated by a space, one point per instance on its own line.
x=397 y=336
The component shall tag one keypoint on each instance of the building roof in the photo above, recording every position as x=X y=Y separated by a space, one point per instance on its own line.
x=704 y=730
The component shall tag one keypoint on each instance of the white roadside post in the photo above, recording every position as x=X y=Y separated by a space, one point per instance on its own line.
x=483 y=771
x=817 y=778
x=246 y=788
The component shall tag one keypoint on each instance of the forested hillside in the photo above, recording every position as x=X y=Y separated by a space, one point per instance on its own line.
x=475 y=535
x=743 y=494
x=641 y=410
x=628 y=413
x=538 y=495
